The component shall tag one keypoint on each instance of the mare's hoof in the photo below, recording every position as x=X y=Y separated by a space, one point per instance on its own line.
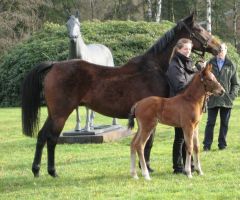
x=35 y=171
x=53 y=173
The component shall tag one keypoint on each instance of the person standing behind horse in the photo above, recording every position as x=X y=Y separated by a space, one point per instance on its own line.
x=226 y=73
x=179 y=74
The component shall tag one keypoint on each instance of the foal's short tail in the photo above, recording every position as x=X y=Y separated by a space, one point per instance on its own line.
x=31 y=98
x=131 y=117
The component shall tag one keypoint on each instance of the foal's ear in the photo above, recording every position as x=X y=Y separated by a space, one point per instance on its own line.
x=207 y=68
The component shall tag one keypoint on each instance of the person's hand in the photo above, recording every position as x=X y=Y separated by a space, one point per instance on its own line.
x=201 y=64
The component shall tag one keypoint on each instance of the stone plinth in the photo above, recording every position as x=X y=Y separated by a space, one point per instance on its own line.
x=99 y=134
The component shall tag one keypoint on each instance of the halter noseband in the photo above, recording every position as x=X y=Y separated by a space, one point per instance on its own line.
x=197 y=37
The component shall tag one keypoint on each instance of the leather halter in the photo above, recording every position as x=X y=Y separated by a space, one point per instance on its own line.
x=197 y=37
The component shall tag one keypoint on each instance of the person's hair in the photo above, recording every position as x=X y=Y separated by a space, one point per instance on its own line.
x=179 y=45
x=224 y=44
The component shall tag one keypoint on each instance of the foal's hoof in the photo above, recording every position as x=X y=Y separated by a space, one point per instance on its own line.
x=135 y=176
x=53 y=173
x=189 y=175
x=200 y=173
x=147 y=178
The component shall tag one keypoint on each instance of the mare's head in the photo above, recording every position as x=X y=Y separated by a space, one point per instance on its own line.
x=202 y=40
x=211 y=85
x=73 y=28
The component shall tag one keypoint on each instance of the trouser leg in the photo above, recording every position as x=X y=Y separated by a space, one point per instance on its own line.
x=224 y=120
x=178 y=150
x=211 y=120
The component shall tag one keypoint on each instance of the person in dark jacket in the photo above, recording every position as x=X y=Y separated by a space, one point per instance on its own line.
x=226 y=73
x=180 y=73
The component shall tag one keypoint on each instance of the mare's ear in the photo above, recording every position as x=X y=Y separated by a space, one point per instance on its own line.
x=190 y=19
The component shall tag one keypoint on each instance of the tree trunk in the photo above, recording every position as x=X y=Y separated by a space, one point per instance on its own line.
x=149 y=10
x=158 y=10
x=235 y=17
x=209 y=21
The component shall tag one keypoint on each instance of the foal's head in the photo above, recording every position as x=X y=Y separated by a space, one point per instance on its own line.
x=211 y=85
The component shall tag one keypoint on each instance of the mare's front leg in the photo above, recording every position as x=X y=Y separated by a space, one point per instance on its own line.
x=196 y=156
x=188 y=137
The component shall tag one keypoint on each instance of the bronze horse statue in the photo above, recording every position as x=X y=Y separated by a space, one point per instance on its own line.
x=109 y=91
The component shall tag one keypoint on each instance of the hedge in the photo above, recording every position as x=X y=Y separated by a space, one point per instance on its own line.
x=126 y=39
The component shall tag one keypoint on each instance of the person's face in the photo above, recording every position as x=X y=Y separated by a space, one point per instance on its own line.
x=186 y=49
x=223 y=51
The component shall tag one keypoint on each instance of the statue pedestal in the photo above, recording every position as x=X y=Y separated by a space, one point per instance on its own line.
x=99 y=134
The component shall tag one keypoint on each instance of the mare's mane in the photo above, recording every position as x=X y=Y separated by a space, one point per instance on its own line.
x=164 y=41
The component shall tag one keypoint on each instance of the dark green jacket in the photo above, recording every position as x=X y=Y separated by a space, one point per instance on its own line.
x=229 y=80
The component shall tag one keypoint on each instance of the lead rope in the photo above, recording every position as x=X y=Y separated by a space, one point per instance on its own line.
x=205 y=101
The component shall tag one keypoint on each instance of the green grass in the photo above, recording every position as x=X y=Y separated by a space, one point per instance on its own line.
x=101 y=171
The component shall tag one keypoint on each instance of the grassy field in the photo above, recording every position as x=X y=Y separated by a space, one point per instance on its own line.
x=101 y=171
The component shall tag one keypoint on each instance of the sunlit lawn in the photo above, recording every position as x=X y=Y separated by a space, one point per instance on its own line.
x=101 y=171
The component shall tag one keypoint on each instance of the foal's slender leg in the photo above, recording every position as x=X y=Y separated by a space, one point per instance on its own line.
x=196 y=157
x=188 y=137
x=147 y=128
x=133 y=170
x=41 y=140
x=140 y=150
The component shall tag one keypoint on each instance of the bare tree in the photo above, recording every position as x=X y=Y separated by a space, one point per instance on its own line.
x=158 y=10
x=209 y=16
x=149 y=10
x=235 y=19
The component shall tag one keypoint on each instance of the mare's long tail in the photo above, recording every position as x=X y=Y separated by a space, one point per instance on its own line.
x=31 y=98
x=131 y=117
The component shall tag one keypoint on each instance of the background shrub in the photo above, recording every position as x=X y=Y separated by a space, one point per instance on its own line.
x=126 y=39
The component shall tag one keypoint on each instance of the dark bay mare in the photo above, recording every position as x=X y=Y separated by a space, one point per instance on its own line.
x=109 y=91
x=184 y=110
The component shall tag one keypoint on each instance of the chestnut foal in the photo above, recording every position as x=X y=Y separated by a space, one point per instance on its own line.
x=183 y=110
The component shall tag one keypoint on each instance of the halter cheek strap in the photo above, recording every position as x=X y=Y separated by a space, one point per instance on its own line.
x=199 y=38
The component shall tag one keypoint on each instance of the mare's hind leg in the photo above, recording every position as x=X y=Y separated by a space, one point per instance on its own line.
x=55 y=126
x=41 y=140
x=196 y=157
